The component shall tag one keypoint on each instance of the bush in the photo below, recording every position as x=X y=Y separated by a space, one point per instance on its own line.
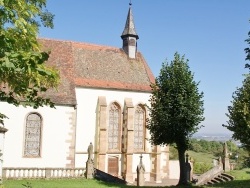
x=200 y=167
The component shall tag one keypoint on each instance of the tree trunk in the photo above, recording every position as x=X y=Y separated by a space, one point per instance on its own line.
x=183 y=171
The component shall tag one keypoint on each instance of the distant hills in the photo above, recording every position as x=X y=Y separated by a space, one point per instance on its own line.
x=213 y=136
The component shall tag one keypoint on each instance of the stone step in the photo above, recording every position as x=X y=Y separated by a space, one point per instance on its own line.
x=223 y=177
x=228 y=176
x=219 y=179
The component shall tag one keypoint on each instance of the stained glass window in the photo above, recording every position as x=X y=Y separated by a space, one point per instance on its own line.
x=114 y=127
x=32 y=135
x=139 y=127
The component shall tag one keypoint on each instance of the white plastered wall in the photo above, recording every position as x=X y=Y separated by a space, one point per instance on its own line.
x=56 y=127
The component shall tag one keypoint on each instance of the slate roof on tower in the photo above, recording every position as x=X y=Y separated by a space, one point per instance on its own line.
x=129 y=28
x=94 y=66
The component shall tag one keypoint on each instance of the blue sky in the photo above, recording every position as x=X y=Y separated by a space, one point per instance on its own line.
x=210 y=33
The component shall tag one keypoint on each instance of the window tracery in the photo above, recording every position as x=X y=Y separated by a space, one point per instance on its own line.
x=114 y=127
x=32 y=143
x=139 y=128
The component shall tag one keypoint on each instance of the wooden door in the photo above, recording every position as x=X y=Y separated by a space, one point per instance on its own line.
x=113 y=166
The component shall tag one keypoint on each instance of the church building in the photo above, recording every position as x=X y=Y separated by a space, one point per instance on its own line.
x=102 y=99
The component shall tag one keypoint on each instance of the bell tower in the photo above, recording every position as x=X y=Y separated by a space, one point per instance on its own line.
x=129 y=35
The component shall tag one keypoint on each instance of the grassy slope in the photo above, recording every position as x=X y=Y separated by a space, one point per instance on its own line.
x=201 y=157
x=242 y=180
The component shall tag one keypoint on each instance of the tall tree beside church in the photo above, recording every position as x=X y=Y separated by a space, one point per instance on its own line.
x=23 y=74
x=247 y=50
x=176 y=108
x=239 y=111
x=239 y=114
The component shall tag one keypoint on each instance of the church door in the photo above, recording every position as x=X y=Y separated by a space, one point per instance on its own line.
x=113 y=166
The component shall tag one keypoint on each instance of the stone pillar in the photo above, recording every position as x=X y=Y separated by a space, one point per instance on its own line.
x=101 y=147
x=226 y=163
x=191 y=161
x=188 y=169
x=140 y=173
x=90 y=163
x=165 y=162
x=129 y=140
x=156 y=164
x=48 y=173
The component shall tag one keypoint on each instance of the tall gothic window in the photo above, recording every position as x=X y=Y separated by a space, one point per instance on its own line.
x=32 y=145
x=114 y=127
x=139 y=128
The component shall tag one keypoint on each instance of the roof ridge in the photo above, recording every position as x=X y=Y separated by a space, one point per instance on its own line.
x=82 y=43
x=94 y=45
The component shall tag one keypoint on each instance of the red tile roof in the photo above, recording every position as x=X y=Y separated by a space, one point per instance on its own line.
x=95 y=66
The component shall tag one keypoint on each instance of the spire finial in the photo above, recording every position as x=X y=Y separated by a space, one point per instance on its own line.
x=130 y=3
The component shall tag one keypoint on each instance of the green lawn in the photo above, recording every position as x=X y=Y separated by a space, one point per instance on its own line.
x=201 y=157
x=62 y=183
x=242 y=180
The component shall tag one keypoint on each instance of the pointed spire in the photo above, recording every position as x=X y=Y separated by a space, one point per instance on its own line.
x=129 y=35
x=129 y=29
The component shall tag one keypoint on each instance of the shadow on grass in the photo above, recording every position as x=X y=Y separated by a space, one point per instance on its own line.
x=233 y=184
x=115 y=185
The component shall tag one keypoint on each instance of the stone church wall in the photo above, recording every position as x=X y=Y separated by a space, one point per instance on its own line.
x=87 y=123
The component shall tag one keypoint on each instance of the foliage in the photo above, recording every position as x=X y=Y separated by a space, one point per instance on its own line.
x=173 y=153
x=239 y=114
x=213 y=147
x=200 y=167
x=247 y=50
x=23 y=74
x=176 y=108
x=237 y=154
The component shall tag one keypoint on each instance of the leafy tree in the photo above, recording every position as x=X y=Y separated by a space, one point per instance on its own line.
x=239 y=114
x=247 y=50
x=23 y=74
x=196 y=147
x=173 y=153
x=176 y=108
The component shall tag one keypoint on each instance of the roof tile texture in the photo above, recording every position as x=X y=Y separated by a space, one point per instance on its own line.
x=89 y=65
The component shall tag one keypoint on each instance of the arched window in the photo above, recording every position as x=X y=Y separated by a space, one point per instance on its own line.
x=114 y=127
x=139 y=128
x=32 y=143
